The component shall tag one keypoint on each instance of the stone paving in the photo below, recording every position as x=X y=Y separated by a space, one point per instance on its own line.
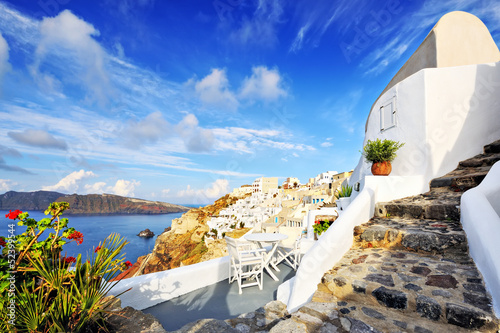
x=408 y=271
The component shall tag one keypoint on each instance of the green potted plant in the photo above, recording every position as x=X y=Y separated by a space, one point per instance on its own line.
x=343 y=196
x=320 y=227
x=381 y=153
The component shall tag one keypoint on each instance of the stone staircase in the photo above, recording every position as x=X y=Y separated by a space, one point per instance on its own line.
x=409 y=269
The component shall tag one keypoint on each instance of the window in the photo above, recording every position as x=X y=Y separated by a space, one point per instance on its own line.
x=388 y=115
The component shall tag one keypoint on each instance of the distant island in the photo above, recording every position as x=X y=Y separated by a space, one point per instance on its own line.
x=89 y=204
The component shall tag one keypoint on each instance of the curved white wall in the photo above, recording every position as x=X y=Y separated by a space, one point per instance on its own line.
x=151 y=289
x=480 y=216
x=444 y=115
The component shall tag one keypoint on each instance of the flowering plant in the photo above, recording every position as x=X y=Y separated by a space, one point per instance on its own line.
x=54 y=292
x=321 y=226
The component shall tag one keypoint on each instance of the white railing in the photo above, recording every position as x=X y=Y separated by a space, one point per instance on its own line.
x=293 y=223
x=338 y=239
x=480 y=216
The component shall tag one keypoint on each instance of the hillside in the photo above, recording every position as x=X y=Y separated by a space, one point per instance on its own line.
x=90 y=204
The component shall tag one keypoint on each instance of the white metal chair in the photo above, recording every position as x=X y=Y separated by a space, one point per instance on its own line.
x=246 y=263
x=290 y=254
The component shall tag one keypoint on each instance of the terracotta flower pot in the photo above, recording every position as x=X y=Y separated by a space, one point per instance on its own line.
x=381 y=168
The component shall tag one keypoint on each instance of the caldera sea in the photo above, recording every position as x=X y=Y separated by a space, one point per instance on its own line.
x=96 y=228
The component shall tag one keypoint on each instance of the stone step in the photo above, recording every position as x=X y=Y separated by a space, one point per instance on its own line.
x=412 y=234
x=493 y=147
x=461 y=179
x=381 y=286
x=439 y=204
x=480 y=160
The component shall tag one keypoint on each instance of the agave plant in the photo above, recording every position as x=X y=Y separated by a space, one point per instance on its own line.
x=344 y=192
x=69 y=299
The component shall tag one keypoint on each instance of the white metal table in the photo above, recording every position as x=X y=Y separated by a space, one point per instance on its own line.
x=274 y=239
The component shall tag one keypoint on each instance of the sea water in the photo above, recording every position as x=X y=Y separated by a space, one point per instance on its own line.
x=96 y=228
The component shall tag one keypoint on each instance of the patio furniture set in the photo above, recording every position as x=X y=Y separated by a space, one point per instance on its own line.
x=259 y=252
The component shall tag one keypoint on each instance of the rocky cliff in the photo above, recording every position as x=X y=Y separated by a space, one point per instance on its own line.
x=38 y=200
x=90 y=204
x=184 y=244
x=100 y=204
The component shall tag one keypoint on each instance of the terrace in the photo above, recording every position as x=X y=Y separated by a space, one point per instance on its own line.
x=218 y=301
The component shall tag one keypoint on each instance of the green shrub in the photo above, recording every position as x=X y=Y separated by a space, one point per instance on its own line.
x=380 y=151
x=321 y=226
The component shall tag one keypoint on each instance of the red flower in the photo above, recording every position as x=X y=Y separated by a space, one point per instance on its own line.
x=128 y=263
x=69 y=260
x=97 y=249
x=2 y=242
x=13 y=214
x=77 y=236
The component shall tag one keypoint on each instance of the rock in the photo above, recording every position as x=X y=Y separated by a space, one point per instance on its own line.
x=357 y=326
x=463 y=316
x=419 y=329
x=401 y=324
x=386 y=280
x=475 y=287
x=146 y=233
x=340 y=281
x=372 y=313
x=290 y=326
x=207 y=326
x=324 y=311
x=428 y=307
x=359 y=286
x=391 y=298
x=414 y=287
x=242 y=328
x=130 y=320
x=441 y=292
x=420 y=270
x=328 y=328
x=478 y=300
x=442 y=281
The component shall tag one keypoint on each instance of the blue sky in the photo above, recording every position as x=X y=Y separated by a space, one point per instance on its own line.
x=181 y=101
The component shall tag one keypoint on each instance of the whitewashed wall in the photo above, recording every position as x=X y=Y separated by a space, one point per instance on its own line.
x=480 y=216
x=444 y=115
x=151 y=289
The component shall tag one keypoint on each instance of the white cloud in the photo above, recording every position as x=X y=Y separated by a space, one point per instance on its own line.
x=124 y=188
x=7 y=185
x=299 y=39
x=264 y=84
x=165 y=192
x=196 y=139
x=71 y=182
x=149 y=130
x=38 y=138
x=214 y=90
x=326 y=144
x=4 y=57
x=244 y=140
x=212 y=191
x=97 y=188
x=260 y=28
x=66 y=32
